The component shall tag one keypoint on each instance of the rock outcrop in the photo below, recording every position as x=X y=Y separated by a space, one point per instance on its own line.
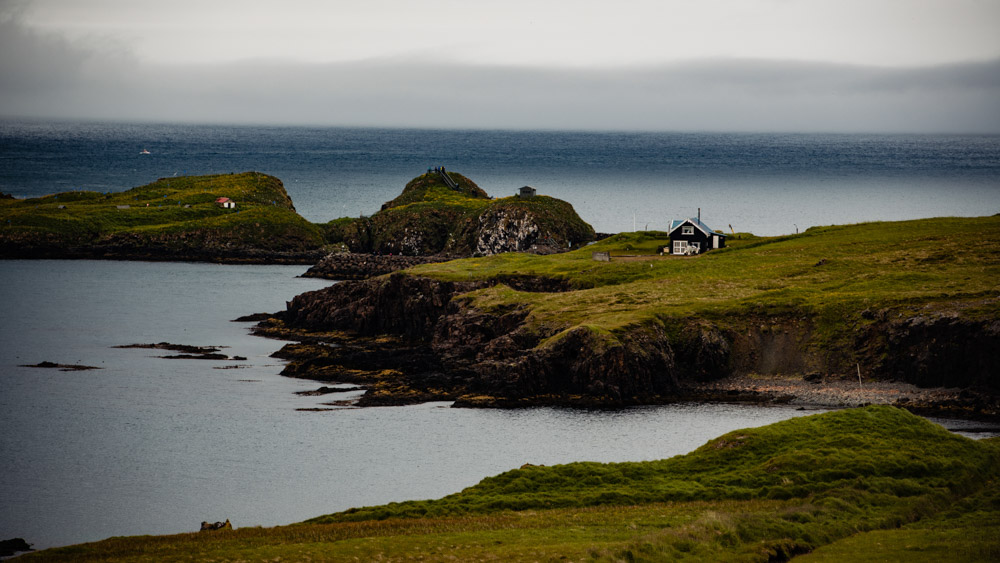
x=432 y=218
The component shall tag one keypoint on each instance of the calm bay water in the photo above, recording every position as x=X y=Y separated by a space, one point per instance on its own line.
x=147 y=445
x=152 y=445
x=768 y=184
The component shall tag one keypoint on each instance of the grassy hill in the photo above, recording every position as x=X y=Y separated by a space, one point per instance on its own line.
x=170 y=218
x=875 y=483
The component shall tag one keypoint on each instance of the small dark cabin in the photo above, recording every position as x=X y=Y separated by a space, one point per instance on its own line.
x=527 y=191
x=691 y=236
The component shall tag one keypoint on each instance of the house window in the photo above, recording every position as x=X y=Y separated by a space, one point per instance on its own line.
x=680 y=246
x=695 y=247
x=687 y=230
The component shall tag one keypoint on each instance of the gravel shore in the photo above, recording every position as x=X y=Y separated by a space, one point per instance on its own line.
x=831 y=392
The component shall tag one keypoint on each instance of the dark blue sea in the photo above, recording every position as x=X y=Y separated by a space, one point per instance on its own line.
x=768 y=184
x=147 y=445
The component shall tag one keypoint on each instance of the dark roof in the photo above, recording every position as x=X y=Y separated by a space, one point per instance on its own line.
x=676 y=224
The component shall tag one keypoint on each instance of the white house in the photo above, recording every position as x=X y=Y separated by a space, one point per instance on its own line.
x=226 y=203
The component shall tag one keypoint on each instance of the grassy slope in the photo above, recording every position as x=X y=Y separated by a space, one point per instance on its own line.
x=877 y=476
x=264 y=218
x=829 y=274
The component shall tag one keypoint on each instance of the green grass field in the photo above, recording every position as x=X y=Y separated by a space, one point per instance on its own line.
x=875 y=483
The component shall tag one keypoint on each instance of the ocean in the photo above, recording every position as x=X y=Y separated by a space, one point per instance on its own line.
x=148 y=445
x=767 y=184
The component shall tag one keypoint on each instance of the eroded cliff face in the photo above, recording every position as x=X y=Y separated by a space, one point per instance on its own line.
x=501 y=358
x=510 y=231
x=513 y=226
x=939 y=349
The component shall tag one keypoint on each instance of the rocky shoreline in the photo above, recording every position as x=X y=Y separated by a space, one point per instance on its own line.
x=409 y=339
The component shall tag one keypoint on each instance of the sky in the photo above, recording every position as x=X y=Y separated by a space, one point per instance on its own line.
x=687 y=65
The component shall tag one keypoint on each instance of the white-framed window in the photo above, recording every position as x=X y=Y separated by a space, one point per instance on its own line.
x=695 y=247
x=680 y=246
x=687 y=230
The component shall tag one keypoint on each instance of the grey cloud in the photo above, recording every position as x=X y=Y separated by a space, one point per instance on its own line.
x=44 y=76
x=31 y=62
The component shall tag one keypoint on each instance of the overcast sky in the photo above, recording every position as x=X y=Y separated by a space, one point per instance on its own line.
x=717 y=65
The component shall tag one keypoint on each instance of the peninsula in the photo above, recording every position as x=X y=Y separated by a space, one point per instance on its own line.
x=244 y=217
x=914 y=302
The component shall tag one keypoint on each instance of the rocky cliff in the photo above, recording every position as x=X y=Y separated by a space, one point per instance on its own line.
x=416 y=339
